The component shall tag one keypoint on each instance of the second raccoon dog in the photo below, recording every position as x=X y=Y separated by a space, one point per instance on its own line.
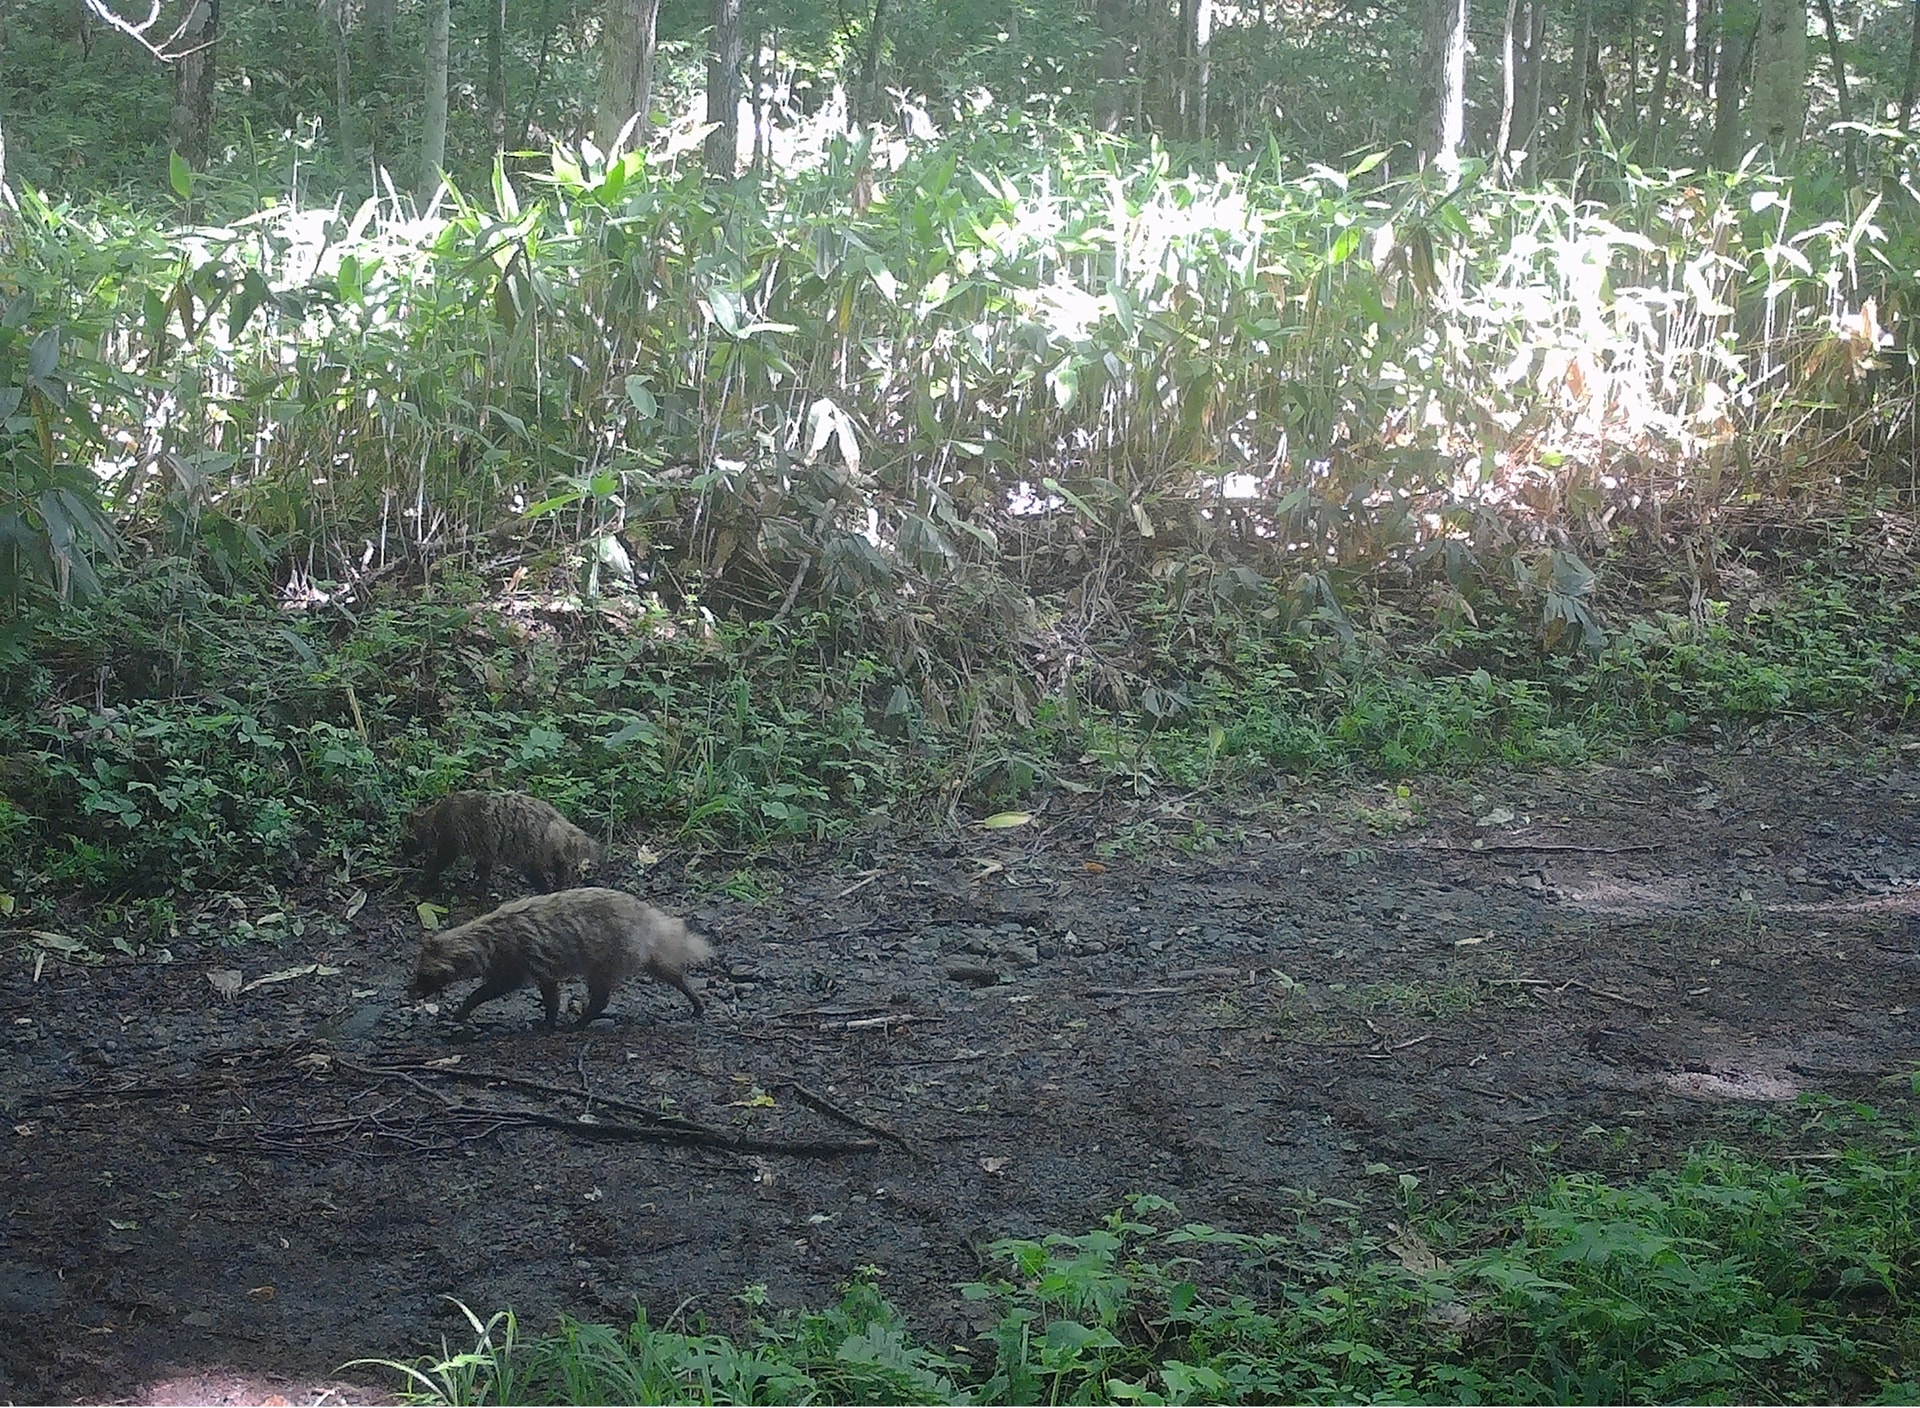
x=505 y=828
x=592 y=933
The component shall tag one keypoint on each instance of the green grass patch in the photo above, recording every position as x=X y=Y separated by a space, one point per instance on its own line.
x=1725 y=1279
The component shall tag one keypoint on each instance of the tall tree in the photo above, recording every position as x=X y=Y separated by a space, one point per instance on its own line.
x=627 y=44
x=1447 y=65
x=1913 y=69
x=1509 y=87
x=1630 y=109
x=866 y=99
x=1202 y=63
x=1531 y=77
x=1111 y=64
x=1780 y=75
x=1730 y=67
x=334 y=14
x=1841 y=98
x=433 y=120
x=1577 y=111
x=723 y=89
x=497 y=74
x=377 y=79
x=193 y=76
x=1662 y=74
x=9 y=204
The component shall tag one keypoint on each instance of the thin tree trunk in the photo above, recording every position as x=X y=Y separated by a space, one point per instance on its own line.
x=1116 y=75
x=1692 y=49
x=627 y=45
x=1526 y=116
x=1913 y=70
x=1780 y=76
x=1447 y=50
x=539 y=73
x=1503 y=143
x=1202 y=63
x=1841 y=100
x=1724 y=149
x=1706 y=54
x=723 y=89
x=764 y=48
x=433 y=121
x=9 y=203
x=336 y=14
x=497 y=74
x=377 y=82
x=1630 y=109
x=868 y=98
x=1657 y=104
x=1577 y=99
x=193 y=84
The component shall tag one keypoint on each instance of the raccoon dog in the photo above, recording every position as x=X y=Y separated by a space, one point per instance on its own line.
x=506 y=828
x=596 y=934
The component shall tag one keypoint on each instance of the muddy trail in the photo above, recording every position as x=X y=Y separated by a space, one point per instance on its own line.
x=231 y=1173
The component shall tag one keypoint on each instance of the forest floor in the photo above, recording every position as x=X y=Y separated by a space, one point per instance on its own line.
x=915 y=1045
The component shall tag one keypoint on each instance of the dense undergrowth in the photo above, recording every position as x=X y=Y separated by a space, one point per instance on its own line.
x=941 y=472
x=168 y=737
x=1724 y=1279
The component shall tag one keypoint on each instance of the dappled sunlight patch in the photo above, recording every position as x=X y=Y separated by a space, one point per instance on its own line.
x=243 y=1388
x=1733 y=1083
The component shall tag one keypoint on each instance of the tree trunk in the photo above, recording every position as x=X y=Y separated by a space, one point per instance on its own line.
x=1503 y=143
x=766 y=47
x=1657 y=103
x=1707 y=46
x=433 y=121
x=867 y=105
x=1202 y=64
x=1913 y=70
x=723 y=89
x=1842 y=101
x=1630 y=108
x=335 y=12
x=1577 y=120
x=539 y=73
x=1780 y=76
x=193 y=83
x=1730 y=64
x=1532 y=76
x=1115 y=73
x=377 y=81
x=1447 y=63
x=497 y=74
x=627 y=44
x=9 y=204
x=380 y=19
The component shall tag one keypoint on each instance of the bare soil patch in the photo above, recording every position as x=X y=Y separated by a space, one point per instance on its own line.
x=915 y=1046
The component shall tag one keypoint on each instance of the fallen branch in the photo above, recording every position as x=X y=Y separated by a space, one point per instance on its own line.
x=847 y=1117
x=1564 y=984
x=1485 y=847
x=663 y=1129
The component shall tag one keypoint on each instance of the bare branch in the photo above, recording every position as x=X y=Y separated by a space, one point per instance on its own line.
x=168 y=50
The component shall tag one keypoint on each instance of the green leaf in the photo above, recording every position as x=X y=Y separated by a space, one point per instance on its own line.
x=642 y=399
x=180 y=174
x=44 y=355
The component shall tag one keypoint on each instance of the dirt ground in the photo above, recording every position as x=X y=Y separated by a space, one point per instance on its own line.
x=914 y=1045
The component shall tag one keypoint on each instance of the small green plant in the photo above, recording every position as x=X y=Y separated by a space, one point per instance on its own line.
x=1723 y=1279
